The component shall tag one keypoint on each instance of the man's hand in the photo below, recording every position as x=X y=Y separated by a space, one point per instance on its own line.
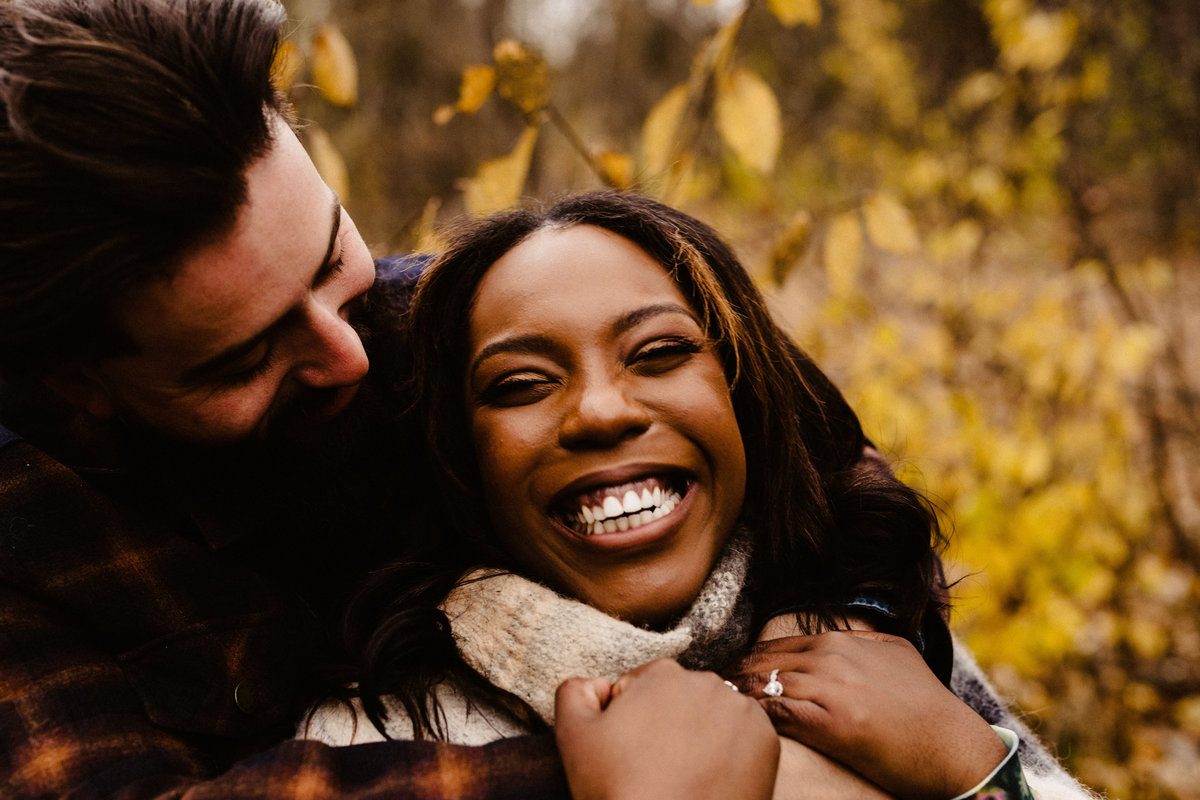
x=869 y=701
x=663 y=732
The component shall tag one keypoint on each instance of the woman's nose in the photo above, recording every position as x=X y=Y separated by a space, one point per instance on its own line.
x=601 y=414
x=333 y=354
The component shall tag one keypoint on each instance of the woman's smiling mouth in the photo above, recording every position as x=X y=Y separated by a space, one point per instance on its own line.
x=621 y=507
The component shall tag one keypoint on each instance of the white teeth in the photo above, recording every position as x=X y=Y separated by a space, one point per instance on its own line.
x=630 y=511
x=613 y=507
x=640 y=519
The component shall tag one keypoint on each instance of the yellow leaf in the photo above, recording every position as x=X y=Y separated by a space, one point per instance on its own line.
x=334 y=70
x=1095 y=78
x=428 y=240
x=1043 y=40
x=1156 y=275
x=660 y=131
x=617 y=168
x=796 y=12
x=328 y=161
x=499 y=182
x=287 y=65
x=748 y=119
x=843 y=253
x=522 y=76
x=474 y=89
x=1147 y=638
x=890 y=226
x=959 y=242
x=477 y=83
x=978 y=89
x=1187 y=715
x=790 y=244
x=1131 y=354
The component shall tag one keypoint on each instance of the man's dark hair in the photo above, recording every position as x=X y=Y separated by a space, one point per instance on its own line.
x=126 y=128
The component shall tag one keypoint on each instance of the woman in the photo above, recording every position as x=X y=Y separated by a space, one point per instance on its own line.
x=614 y=414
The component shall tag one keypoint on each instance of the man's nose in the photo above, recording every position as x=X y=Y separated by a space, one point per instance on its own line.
x=333 y=354
x=602 y=413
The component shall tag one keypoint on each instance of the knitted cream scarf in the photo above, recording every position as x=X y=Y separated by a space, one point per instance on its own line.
x=527 y=639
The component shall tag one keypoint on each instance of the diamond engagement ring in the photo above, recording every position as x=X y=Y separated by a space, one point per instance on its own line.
x=773 y=688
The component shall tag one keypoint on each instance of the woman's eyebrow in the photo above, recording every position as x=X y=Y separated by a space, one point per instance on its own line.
x=532 y=343
x=537 y=344
x=636 y=317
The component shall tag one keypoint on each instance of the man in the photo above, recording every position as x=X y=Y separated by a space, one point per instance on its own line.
x=196 y=462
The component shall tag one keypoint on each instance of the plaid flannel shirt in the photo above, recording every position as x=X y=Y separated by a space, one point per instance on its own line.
x=135 y=662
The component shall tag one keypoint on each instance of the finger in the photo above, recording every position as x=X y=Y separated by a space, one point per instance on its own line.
x=773 y=684
x=784 y=644
x=877 y=636
x=762 y=664
x=800 y=719
x=752 y=684
x=581 y=699
x=663 y=669
x=803 y=644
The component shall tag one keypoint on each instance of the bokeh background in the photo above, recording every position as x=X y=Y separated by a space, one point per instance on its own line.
x=981 y=216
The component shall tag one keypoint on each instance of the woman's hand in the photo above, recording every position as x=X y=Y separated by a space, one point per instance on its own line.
x=869 y=701
x=661 y=731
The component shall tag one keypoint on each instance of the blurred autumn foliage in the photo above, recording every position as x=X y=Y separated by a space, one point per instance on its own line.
x=982 y=217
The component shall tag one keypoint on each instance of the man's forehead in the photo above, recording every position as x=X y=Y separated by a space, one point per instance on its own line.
x=238 y=284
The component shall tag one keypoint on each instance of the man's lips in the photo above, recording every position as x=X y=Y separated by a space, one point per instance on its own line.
x=315 y=408
x=337 y=404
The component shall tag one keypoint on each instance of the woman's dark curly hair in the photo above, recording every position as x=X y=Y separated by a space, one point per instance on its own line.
x=830 y=521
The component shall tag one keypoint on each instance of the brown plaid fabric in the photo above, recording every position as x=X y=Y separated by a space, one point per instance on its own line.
x=136 y=662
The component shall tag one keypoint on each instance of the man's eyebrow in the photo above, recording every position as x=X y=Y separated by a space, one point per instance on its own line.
x=537 y=344
x=206 y=369
x=329 y=263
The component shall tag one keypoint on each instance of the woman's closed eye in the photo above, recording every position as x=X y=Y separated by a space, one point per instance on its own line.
x=660 y=356
x=517 y=389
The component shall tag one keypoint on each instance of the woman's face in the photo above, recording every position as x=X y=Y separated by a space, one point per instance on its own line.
x=611 y=460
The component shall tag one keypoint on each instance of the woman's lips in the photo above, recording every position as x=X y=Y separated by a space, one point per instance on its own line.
x=620 y=507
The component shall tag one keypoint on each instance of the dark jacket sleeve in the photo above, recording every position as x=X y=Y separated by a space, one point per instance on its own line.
x=121 y=657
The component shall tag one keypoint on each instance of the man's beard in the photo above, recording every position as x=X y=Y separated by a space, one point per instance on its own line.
x=298 y=426
x=298 y=434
